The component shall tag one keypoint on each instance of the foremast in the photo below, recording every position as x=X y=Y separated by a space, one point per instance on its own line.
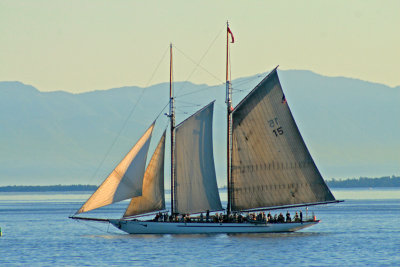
x=172 y=123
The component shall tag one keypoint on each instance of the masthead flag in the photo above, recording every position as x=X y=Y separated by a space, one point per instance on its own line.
x=230 y=32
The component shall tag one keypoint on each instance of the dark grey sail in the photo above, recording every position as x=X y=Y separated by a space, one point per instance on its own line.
x=271 y=165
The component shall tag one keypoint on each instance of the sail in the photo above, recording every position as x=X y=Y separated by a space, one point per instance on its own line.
x=152 y=198
x=126 y=180
x=195 y=180
x=271 y=165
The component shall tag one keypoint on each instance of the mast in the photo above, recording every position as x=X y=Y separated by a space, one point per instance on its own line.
x=172 y=119
x=228 y=102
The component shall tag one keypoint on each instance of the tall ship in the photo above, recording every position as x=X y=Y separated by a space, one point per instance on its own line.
x=268 y=168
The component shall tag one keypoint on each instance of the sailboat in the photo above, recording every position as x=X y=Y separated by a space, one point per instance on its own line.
x=268 y=167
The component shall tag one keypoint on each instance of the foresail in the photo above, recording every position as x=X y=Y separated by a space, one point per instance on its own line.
x=195 y=180
x=126 y=180
x=153 y=198
x=271 y=165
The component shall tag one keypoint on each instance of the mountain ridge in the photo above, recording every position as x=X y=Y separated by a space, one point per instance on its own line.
x=349 y=125
x=22 y=84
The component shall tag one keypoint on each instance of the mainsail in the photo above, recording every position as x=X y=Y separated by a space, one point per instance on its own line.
x=152 y=198
x=195 y=180
x=271 y=165
x=126 y=180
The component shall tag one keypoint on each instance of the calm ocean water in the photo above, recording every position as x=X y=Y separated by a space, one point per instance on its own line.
x=364 y=230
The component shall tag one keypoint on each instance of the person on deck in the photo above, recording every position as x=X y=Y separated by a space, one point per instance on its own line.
x=215 y=217
x=296 y=217
x=288 y=219
x=281 y=219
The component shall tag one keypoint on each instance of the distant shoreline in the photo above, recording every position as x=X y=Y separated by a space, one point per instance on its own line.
x=47 y=188
x=362 y=182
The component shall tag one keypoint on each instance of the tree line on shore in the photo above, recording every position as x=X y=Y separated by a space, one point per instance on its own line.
x=385 y=181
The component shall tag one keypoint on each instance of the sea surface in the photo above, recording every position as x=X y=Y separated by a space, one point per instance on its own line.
x=362 y=231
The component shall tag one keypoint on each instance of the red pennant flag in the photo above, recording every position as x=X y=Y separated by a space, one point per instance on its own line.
x=230 y=32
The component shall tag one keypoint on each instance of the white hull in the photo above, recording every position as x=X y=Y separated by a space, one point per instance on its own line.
x=143 y=227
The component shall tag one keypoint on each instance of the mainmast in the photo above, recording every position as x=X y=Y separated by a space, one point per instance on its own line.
x=172 y=119
x=228 y=102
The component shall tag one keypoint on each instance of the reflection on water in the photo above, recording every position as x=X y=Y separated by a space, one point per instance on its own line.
x=274 y=235
x=199 y=237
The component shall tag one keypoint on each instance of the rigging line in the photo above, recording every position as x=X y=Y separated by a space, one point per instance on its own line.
x=233 y=88
x=188 y=103
x=234 y=91
x=249 y=79
x=158 y=65
x=161 y=111
x=128 y=117
x=181 y=111
x=197 y=65
x=201 y=90
x=91 y=226
x=189 y=106
x=201 y=59
x=241 y=83
x=240 y=90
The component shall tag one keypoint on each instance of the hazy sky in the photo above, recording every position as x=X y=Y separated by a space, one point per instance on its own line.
x=86 y=45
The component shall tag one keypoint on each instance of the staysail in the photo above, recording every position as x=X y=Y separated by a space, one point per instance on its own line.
x=126 y=180
x=152 y=198
x=195 y=180
x=271 y=165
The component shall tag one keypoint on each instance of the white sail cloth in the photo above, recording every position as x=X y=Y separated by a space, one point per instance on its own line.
x=126 y=180
x=271 y=165
x=152 y=198
x=195 y=180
